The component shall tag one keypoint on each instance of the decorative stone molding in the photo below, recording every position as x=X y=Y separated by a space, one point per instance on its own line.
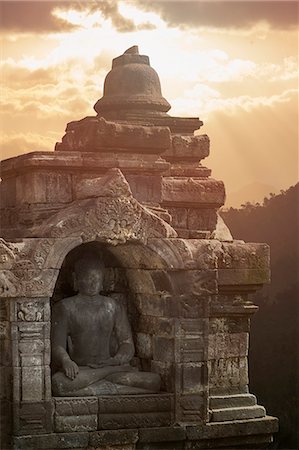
x=114 y=216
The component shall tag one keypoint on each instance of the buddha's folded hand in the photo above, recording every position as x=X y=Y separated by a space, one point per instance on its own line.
x=70 y=369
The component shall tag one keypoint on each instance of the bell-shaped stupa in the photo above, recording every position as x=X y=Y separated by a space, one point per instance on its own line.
x=131 y=85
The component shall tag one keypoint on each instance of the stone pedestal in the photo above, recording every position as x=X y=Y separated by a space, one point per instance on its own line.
x=129 y=182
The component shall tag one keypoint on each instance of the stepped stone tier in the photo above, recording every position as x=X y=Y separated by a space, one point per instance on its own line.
x=128 y=186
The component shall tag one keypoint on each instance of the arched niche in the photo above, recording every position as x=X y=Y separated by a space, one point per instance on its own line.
x=137 y=278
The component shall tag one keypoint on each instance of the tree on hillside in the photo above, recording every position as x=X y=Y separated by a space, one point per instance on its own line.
x=273 y=358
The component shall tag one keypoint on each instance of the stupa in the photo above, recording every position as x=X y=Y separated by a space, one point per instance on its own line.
x=128 y=186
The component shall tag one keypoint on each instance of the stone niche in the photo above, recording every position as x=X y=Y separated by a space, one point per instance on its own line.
x=129 y=184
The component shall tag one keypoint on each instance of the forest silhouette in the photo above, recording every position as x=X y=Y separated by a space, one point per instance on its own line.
x=273 y=356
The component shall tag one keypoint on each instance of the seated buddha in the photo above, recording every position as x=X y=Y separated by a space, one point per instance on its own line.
x=92 y=344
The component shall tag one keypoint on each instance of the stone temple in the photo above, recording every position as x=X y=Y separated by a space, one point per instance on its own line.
x=125 y=302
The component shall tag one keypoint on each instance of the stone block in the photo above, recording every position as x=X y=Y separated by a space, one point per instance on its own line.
x=93 y=133
x=8 y=192
x=194 y=377
x=228 y=373
x=179 y=217
x=76 y=414
x=192 y=408
x=264 y=425
x=27 y=283
x=188 y=148
x=246 y=442
x=183 y=192
x=64 y=424
x=228 y=345
x=113 y=437
x=184 y=254
x=162 y=434
x=240 y=255
x=43 y=187
x=71 y=406
x=145 y=188
x=194 y=306
x=231 y=401
x=133 y=420
x=244 y=277
x=163 y=349
x=202 y=219
x=32 y=417
x=192 y=350
x=32 y=384
x=229 y=325
x=142 y=403
x=52 y=441
x=237 y=413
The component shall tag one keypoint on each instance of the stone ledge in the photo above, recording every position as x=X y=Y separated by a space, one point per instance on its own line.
x=264 y=425
x=238 y=434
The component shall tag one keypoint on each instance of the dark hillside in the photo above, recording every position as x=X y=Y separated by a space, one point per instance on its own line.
x=274 y=347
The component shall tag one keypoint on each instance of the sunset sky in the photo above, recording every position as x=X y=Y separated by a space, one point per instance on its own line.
x=233 y=64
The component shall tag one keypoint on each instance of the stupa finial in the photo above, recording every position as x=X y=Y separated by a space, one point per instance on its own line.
x=134 y=50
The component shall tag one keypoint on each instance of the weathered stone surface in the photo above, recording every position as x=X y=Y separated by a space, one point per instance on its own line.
x=64 y=424
x=136 y=403
x=231 y=401
x=229 y=325
x=192 y=191
x=112 y=184
x=237 y=255
x=163 y=349
x=93 y=134
x=160 y=326
x=43 y=187
x=31 y=384
x=27 y=283
x=32 y=417
x=76 y=406
x=113 y=437
x=145 y=188
x=246 y=442
x=194 y=377
x=162 y=434
x=228 y=345
x=192 y=408
x=52 y=441
x=222 y=232
x=188 y=148
x=114 y=220
x=202 y=219
x=187 y=298
x=237 y=413
x=228 y=372
x=235 y=277
x=133 y=420
x=264 y=425
x=132 y=85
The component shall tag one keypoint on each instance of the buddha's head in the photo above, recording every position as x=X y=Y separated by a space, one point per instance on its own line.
x=88 y=275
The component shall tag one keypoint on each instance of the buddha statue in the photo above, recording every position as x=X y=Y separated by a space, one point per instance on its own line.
x=92 y=344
